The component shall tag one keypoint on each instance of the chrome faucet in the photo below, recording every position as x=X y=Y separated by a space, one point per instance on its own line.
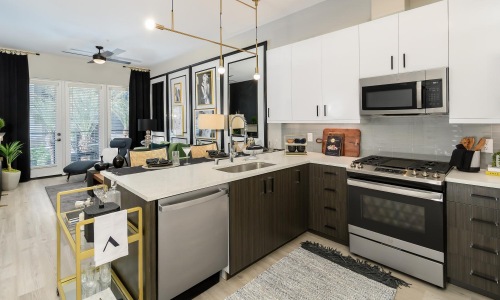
x=231 y=146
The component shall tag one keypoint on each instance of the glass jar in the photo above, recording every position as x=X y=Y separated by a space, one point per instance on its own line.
x=114 y=195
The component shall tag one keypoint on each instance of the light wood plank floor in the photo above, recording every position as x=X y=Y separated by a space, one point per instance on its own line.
x=28 y=252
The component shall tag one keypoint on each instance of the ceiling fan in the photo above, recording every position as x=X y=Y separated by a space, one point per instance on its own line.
x=101 y=58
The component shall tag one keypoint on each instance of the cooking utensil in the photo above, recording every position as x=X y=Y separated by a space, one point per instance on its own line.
x=467 y=142
x=480 y=144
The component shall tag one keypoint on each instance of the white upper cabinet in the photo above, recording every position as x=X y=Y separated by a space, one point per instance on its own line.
x=474 y=61
x=423 y=38
x=410 y=41
x=378 y=42
x=306 y=80
x=340 y=76
x=279 y=84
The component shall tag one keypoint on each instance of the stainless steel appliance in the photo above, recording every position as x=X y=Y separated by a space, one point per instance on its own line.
x=396 y=214
x=193 y=239
x=422 y=92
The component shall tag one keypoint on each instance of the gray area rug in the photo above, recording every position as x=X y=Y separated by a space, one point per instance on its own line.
x=67 y=201
x=303 y=274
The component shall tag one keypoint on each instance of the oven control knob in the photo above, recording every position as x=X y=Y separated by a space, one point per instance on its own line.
x=414 y=172
x=360 y=166
x=425 y=174
x=435 y=175
x=353 y=165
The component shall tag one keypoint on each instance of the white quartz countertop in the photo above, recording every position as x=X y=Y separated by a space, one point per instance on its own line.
x=158 y=184
x=479 y=179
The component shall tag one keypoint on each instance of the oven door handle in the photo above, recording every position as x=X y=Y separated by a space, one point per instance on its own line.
x=396 y=190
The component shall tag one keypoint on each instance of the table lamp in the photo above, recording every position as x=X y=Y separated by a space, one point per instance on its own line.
x=146 y=125
x=211 y=121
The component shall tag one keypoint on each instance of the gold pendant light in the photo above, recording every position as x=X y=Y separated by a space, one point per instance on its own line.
x=151 y=24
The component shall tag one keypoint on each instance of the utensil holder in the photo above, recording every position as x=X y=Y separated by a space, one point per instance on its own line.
x=466 y=160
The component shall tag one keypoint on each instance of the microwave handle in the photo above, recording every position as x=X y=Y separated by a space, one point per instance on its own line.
x=419 y=94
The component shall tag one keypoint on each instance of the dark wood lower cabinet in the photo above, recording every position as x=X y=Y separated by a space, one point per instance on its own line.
x=265 y=212
x=328 y=202
x=473 y=242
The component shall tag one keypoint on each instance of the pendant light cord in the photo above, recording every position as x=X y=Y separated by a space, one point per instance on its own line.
x=172 y=14
x=256 y=38
x=220 y=33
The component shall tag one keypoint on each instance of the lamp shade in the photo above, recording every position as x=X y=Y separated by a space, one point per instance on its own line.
x=211 y=121
x=237 y=121
x=146 y=124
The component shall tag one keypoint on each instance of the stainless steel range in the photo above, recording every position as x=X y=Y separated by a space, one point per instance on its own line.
x=396 y=214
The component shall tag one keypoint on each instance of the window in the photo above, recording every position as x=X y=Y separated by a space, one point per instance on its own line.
x=84 y=116
x=118 y=112
x=43 y=122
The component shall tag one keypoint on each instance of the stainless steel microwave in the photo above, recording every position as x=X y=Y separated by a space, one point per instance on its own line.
x=422 y=92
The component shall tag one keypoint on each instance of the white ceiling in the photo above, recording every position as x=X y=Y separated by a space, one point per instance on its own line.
x=52 y=26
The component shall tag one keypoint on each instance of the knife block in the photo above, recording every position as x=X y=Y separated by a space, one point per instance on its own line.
x=94 y=211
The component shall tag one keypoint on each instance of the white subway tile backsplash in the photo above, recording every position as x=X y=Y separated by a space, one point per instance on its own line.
x=412 y=136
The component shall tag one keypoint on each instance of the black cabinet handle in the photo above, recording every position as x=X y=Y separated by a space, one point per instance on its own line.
x=484 y=197
x=298 y=176
x=264 y=185
x=324 y=110
x=330 y=208
x=330 y=227
x=484 y=221
x=484 y=276
x=317 y=110
x=392 y=62
x=329 y=189
x=485 y=249
x=404 y=60
x=268 y=112
x=272 y=184
x=331 y=173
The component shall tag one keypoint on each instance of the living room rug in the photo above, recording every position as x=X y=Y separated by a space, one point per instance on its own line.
x=67 y=201
x=317 y=272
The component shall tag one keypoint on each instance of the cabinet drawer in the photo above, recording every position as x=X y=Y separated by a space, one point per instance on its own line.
x=458 y=268
x=474 y=195
x=484 y=220
x=484 y=249
x=325 y=172
x=484 y=276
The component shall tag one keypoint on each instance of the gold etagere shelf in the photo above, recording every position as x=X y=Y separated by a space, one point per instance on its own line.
x=71 y=287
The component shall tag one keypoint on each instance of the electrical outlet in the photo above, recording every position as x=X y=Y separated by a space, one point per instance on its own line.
x=488 y=146
x=309 y=137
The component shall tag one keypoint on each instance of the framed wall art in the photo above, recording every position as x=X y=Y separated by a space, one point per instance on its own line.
x=203 y=133
x=177 y=93
x=205 y=88
x=177 y=118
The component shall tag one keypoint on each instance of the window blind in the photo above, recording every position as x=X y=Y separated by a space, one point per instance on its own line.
x=43 y=103
x=84 y=122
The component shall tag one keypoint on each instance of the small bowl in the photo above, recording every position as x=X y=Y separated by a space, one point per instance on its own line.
x=292 y=148
x=290 y=141
x=301 y=148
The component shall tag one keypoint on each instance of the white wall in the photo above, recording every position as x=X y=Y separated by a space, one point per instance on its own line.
x=48 y=66
x=319 y=19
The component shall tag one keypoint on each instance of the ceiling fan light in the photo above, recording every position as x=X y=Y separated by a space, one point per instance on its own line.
x=98 y=58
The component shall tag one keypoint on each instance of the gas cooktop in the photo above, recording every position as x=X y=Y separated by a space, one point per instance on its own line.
x=432 y=172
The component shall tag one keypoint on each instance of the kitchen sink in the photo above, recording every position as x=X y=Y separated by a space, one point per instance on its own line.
x=245 y=167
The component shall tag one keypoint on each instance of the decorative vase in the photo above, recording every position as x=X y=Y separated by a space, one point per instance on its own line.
x=118 y=161
x=10 y=180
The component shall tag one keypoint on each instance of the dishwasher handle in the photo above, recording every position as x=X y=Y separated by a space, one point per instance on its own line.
x=188 y=203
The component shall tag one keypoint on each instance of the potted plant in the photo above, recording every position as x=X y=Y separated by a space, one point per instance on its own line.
x=10 y=176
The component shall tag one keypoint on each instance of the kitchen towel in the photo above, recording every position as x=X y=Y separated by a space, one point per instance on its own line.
x=110 y=237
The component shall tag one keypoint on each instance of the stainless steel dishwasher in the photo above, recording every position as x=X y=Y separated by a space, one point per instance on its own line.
x=193 y=238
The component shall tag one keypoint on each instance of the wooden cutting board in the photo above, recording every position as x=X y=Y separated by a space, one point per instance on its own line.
x=352 y=140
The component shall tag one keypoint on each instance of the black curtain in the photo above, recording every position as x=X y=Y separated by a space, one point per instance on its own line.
x=138 y=103
x=14 y=107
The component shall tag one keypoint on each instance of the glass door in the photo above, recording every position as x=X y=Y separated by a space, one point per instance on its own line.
x=46 y=130
x=85 y=121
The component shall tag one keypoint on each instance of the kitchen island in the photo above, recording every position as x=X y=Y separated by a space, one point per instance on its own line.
x=146 y=188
